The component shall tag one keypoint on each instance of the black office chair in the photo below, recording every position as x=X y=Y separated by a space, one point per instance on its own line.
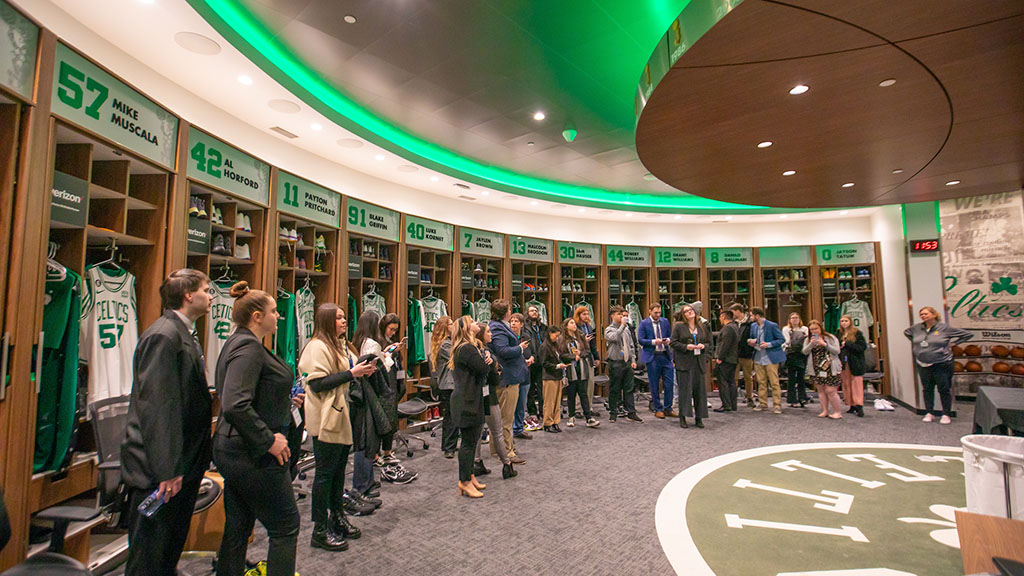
x=412 y=407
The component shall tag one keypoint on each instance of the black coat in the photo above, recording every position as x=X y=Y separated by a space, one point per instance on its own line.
x=550 y=357
x=852 y=355
x=254 y=386
x=728 y=343
x=167 y=433
x=685 y=360
x=471 y=373
x=743 y=349
x=369 y=416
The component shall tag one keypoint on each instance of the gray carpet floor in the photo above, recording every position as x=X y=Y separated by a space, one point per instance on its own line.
x=582 y=504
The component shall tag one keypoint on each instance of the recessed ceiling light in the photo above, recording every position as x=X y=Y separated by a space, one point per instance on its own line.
x=649 y=177
x=197 y=43
x=349 y=19
x=844 y=212
x=534 y=203
x=582 y=209
x=538 y=115
x=887 y=82
x=898 y=171
x=245 y=80
x=529 y=143
x=378 y=157
x=952 y=183
x=350 y=143
x=848 y=185
x=728 y=217
x=434 y=178
x=284 y=106
x=484 y=193
x=316 y=127
x=783 y=215
x=678 y=217
x=789 y=172
x=629 y=214
x=764 y=144
x=798 y=89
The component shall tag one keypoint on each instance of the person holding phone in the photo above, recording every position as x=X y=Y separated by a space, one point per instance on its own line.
x=824 y=367
x=554 y=357
x=691 y=348
x=517 y=321
x=250 y=447
x=470 y=365
x=510 y=354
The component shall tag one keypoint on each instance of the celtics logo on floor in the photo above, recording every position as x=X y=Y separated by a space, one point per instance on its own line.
x=836 y=509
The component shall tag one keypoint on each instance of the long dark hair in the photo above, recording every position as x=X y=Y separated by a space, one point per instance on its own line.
x=325 y=329
x=367 y=328
x=389 y=319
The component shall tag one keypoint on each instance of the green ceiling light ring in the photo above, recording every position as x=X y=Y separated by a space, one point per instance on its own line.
x=251 y=37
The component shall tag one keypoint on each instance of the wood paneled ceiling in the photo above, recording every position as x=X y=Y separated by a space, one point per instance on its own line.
x=955 y=112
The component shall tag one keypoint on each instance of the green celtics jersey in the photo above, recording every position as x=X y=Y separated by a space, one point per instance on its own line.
x=353 y=315
x=56 y=403
x=218 y=327
x=305 y=308
x=287 y=336
x=415 y=344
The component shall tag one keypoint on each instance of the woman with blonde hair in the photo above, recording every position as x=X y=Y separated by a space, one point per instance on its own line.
x=852 y=354
x=822 y=350
x=441 y=381
x=931 y=345
x=330 y=364
x=470 y=367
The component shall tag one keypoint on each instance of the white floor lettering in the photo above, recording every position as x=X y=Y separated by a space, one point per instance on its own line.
x=934 y=458
x=828 y=500
x=794 y=465
x=907 y=475
x=856 y=572
x=851 y=532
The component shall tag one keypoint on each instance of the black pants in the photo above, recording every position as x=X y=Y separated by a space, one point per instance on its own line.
x=329 y=482
x=620 y=383
x=937 y=376
x=579 y=388
x=693 y=396
x=467 y=448
x=535 y=397
x=727 y=389
x=449 y=431
x=796 y=391
x=253 y=491
x=155 y=543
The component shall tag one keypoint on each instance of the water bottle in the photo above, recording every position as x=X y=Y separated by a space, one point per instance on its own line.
x=151 y=504
x=300 y=385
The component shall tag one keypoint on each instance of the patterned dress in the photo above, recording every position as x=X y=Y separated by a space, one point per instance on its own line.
x=820 y=356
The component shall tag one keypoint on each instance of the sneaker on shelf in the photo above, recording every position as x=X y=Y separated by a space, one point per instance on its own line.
x=193 y=206
x=248 y=223
x=318 y=265
x=478 y=270
x=218 y=245
x=299 y=241
x=396 y=474
x=301 y=264
x=242 y=251
x=321 y=242
x=214 y=217
x=282 y=234
x=282 y=261
x=293 y=235
x=202 y=207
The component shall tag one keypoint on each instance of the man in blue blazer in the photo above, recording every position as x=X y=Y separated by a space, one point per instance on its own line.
x=654 y=334
x=767 y=340
x=507 y=347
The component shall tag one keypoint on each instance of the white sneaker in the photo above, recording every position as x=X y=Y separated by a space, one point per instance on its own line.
x=945 y=420
x=571 y=423
x=242 y=251
x=248 y=223
x=282 y=234
x=293 y=234
x=928 y=418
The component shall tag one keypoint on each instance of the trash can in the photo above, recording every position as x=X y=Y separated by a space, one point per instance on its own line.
x=994 y=471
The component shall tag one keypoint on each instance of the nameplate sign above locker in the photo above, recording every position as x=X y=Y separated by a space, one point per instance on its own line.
x=677 y=257
x=628 y=255
x=199 y=230
x=371 y=220
x=729 y=257
x=536 y=249
x=70 y=197
x=429 y=233
x=481 y=243
x=840 y=254
x=304 y=199
x=19 y=38
x=217 y=164
x=89 y=97
x=577 y=253
x=784 y=256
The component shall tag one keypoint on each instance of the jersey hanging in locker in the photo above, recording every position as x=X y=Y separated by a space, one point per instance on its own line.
x=109 y=332
x=287 y=334
x=374 y=302
x=56 y=406
x=431 y=309
x=218 y=327
x=416 y=344
x=305 y=308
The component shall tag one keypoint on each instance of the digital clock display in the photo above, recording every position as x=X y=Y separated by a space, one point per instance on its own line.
x=924 y=245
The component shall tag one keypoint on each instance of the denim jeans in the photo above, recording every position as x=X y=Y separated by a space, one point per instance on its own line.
x=520 y=415
x=660 y=368
x=362 y=472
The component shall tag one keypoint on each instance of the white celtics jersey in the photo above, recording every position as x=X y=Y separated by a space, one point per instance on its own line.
x=431 y=309
x=109 y=332
x=860 y=313
x=305 y=308
x=374 y=302
x=482 y=310
x=633 y=310
x=218 y=327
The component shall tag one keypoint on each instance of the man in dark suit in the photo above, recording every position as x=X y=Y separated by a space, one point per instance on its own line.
x=167 y=441
x=725 y=360
x=654 y=335
x=509 y=350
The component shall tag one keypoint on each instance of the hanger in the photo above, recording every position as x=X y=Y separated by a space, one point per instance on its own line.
x=225 y=275
x=309 y=284
x=110 y=261
x=371 y=292
x=430 y=295
x=280 y=287
x=54 y=270
x=791 y=302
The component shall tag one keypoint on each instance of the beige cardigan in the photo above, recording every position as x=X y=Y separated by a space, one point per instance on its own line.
x=327 y=413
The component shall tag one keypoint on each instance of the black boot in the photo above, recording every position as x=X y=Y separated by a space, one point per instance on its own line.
x=852 y=410
x=340 y=525
x=479 y=469
x=507 y=471
x=700 y=423
x=326 y=539
x=682 y=422
x=860 y=411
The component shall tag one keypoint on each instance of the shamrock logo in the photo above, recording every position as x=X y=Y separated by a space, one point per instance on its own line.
x=947 y=535
x=1004 y=285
